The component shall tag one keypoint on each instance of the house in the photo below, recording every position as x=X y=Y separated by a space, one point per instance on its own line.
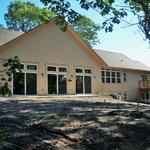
x=56 y=62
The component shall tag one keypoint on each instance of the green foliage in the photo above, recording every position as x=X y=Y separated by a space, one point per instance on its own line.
x=141 y=9
x=109 y=9
x=87 y=29
x=24 y=16
x=10 y=66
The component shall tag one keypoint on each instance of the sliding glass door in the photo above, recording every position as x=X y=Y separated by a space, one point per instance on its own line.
x=87 y=84
x=79 y=84
x=25 y=83
x=62 y=84
x=19 y=84
x=57 y=80
x=52 y=84
x=31 y=84
x=83 y=81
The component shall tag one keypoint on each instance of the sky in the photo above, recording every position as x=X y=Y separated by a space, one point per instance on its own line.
x=127 y=40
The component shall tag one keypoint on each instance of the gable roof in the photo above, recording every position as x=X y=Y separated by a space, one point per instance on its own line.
x=119 y=60
x=15 y=36
x=8 y=35
x=106 y=58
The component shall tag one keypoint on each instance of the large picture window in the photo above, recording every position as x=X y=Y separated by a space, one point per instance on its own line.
x=111 y=76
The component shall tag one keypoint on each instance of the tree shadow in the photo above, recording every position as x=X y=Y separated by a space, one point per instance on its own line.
x=74 y=124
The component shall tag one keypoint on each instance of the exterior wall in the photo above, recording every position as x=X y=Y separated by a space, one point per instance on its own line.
x=50 y=46
x=130 y=87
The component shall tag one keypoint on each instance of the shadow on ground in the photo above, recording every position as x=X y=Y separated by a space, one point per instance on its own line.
x=73 y=124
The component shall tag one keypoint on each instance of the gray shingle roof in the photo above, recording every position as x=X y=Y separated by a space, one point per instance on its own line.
x=119 y=60
x=8 y=35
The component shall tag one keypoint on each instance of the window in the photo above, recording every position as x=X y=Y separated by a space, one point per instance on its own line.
x=111 y=76
x=31 y=67
x=62 y=69
x=22 y=66
x=19 y=83
x=145 y=95
x=125 y=96
x=87 y=71
x=83 y=81
x=25 y=83
x=57 y=79
x=50 y=68
x=124 y=77
x=79 y=70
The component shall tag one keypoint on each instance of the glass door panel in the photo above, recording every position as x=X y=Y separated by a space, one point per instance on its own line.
x=52 y=84
x=62 y=84
x=18 y=84
x=31 y=84
x=87 y=84
x=79 y=84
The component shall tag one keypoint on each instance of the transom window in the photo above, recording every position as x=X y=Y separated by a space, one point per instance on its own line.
x=57 y=69
x=78 y=70
x=87 y=71
x=83 y=71
x=31 y=67
x=50 y=68
x=111 y=76
x=62 y=69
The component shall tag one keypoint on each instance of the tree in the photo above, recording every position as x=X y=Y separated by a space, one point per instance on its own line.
x=24 y=16
x=10 y=66
x=109 y=9
x=87 y=29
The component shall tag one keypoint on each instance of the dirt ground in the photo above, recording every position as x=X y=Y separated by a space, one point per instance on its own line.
x=73 y=123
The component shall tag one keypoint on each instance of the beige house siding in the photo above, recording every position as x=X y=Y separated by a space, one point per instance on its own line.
x=50 y=46
x=47 y=45
x=130 y=87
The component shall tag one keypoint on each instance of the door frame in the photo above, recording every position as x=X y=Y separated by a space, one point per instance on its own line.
x=83 y=74
x=56 y=73
x=25 y=71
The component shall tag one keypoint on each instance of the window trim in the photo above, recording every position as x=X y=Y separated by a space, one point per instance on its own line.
x=57 y=73
x=83 y=74
x=105 y=77
x=25 y=71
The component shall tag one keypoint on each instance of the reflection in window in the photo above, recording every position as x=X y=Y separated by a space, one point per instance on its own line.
x=19 y=84
x=62 y=84
x=79 y=84
x=31 y=83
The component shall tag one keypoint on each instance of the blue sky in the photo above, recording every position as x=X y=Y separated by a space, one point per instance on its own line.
x=127 y=40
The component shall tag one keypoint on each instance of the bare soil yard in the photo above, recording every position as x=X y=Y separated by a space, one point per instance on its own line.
x=73 y=123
